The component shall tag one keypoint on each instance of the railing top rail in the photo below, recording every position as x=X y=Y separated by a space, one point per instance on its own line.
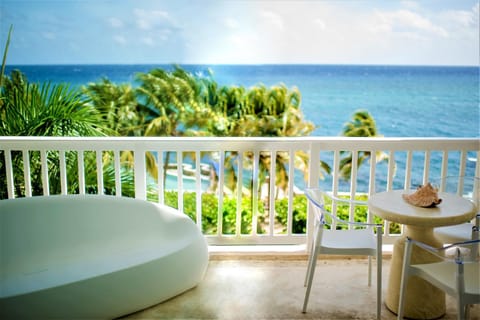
x=251 y=143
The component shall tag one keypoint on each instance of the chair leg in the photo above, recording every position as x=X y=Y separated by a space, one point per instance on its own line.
x=369 y=271
x=379 y=258
x=379 y=285
x=310 y=274
x=310 y=261
x=401 y=301
x=461 y=309
x=467 y=311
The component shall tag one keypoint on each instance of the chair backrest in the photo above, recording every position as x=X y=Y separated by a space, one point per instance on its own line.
x=460 y=252
x=323 y=202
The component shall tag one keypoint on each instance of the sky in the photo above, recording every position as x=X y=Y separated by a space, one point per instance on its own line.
x=429 y=32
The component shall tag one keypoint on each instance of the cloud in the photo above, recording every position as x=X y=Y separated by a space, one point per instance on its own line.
x=231 y=23
x=273 y=19
x=115 y=22
x=148 y=20
x=120 y=39
x=412 y=5
x=320 y=23
x=407 y=22
x=462 y=18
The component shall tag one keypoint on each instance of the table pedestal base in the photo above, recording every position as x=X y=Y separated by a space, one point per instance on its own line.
x=422 y=300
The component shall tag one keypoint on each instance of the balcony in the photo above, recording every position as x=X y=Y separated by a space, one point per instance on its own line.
x=258 y=258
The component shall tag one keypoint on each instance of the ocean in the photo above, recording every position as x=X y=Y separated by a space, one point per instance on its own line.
x=405 y=101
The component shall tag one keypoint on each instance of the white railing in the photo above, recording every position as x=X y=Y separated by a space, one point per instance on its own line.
x=32 y=166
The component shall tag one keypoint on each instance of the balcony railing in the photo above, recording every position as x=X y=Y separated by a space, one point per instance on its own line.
x=150 y=168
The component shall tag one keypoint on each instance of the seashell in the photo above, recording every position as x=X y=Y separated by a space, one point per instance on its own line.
x=426 y=196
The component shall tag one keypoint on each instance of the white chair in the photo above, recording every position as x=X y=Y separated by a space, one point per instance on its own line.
x=457 y=273
x=465 y=186
x=358 y=239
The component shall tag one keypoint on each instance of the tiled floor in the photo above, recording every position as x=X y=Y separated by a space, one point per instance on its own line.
x=239 y=288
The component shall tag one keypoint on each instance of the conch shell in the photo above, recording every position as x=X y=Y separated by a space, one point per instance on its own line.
x=426 y=196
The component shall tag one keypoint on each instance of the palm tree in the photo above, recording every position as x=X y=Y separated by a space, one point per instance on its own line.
x=176 y=105
x=118 y=106
x=44 y=110
x=174 y=101
x=4 y=60
x=262 y=111
x=362 y=124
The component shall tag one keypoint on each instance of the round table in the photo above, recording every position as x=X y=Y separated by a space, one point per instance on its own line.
x=423 y=300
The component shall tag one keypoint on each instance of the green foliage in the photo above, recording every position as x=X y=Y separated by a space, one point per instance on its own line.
x=4 y=60
x=362 y=124
x=210 y=212
x=299 y=214
x=45 y=110
x=118 y=107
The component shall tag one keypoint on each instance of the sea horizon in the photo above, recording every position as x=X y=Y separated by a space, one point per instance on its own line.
x=245 y=64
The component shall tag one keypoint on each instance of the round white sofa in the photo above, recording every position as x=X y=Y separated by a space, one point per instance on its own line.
x=93 y=256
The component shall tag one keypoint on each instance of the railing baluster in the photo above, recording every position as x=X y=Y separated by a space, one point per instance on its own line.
x=371 y=183
x=291 y=173
x=313 y=178
x=271 y=191
x=408 y=171
x=426 y=167
x=45 y=183
x=477 y=164
x=255 y=181
x=26 y=173
x=118 y=175
x=353 y=186
x=221 y=177
x=198 y=189
x=336 y=177
x=463 y=163
x=180 y=180
x=10 y=174
x=81 y=172
x=160 y=177
x=99 y=162
x=238 y=212
x=460 y=186
x=390 y=173
x=391 y=169
x=63 y=172
x=444 y=169
x=140 y=174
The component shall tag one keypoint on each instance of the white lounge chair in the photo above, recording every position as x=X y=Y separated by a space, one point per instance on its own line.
x=358 y=240
x=457 y=273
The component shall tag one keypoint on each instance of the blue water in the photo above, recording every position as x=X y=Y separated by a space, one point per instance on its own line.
x=405 y=101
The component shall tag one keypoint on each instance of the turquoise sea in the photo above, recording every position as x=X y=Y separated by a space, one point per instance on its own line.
x=405 y=101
